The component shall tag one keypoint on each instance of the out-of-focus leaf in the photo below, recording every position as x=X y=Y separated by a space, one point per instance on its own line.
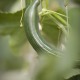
x=46 y=69
x=77 y=1
x=10 y=25
x=28 y=2
x=11 y=5
x=72 y=72
x=8 y=61
x=76 y=77
x=5 y=5
x=9 y=22
x=17 y=39
x=74 y=45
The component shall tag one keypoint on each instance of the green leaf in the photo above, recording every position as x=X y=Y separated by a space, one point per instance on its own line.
x=77 y=1
x=8 y=61
x=28 y=2
x=72 y=72
x=74 y=38
x=50 y=22
x=10 y=25
x=17 y=40
x=5 y=5
x=46 y=69
x=9 y=22
x=11 y=5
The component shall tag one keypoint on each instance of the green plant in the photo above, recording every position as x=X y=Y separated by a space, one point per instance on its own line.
x=57 y=43
x=32 y=30
x=34 y=36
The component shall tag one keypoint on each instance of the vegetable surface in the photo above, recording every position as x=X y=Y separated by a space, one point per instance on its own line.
x=31 y=21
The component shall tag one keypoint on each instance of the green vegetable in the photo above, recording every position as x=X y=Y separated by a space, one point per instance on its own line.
x=31 y=26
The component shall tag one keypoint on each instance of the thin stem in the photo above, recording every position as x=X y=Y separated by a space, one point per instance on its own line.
x=59 y=34
x=59 y=24
x=67 y=18
x=48 y=11
x=55 y=14
x=41 y=4
x=21 y=24
x=66 y=2
x=45 y=4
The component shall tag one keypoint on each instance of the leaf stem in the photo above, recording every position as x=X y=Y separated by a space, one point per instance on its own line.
x=45 y=4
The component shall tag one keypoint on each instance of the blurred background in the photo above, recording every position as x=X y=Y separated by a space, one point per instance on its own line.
x=18 y=60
